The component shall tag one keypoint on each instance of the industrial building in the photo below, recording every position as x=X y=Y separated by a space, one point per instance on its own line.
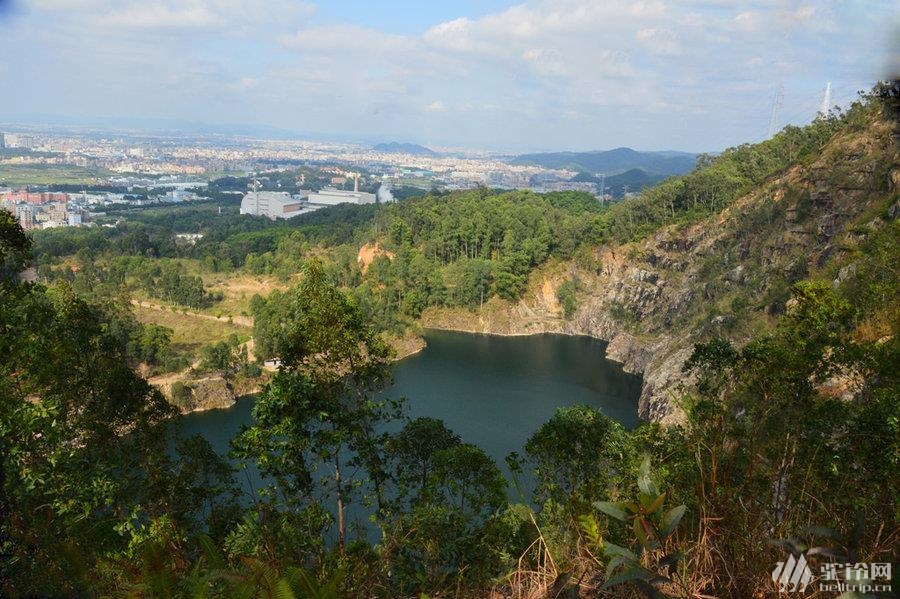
x=278 y=204
x=333 y=197
x=274 y=204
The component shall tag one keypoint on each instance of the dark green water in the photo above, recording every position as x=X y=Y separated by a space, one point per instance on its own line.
x=493 y=391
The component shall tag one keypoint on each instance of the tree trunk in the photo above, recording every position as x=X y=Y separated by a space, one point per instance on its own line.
x=340 y=503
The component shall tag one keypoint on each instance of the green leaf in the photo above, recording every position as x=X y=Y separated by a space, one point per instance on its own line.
x=671 y=519
x=212 y=553
x=644 y=470
x=611 y=509
x=619 y=560
x=283 y=590
x=653 y=507
x=649 y=590
x=591 y=530
x=611 y=549
x=627 y=576
x=639 y=532
x=645 y=483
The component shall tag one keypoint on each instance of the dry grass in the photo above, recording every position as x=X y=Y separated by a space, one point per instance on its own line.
x=238 y=289
x=191 y=331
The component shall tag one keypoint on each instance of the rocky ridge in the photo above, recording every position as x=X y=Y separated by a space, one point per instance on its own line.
x=727 y=275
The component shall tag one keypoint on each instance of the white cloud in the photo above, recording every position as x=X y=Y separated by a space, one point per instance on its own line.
x=223 y=15
x=559 y=72
x=747 y=21
x=348 y=39
x=162 y=17
x=659 y=40
x=436 y=106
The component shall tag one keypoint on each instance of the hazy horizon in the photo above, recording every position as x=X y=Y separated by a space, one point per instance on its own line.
x=570 y=75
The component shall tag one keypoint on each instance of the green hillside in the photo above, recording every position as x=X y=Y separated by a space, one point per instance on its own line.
x=758 y=294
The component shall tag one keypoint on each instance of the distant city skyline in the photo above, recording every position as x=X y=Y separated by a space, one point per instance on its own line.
x=697 y=75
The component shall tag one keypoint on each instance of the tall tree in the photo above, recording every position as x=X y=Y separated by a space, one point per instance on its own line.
x=320 y=410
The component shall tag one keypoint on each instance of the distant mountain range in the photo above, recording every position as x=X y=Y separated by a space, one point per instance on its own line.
x=614 y=162
x=404 y=148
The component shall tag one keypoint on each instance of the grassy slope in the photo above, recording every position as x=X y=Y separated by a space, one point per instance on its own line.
x=191 y=330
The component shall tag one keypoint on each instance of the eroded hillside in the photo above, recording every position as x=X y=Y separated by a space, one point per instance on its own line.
x=726 y=275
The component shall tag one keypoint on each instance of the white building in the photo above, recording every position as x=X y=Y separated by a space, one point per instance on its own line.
x=274 y=204
x=333 y=197
x=180 y=195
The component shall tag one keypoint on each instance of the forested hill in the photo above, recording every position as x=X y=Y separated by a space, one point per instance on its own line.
x=613 y=162
x=759 y=295
x=477 y=249
x=715 y=253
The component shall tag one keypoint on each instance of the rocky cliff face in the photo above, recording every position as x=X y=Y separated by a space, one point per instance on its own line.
x=727 y=275
x=197 y=395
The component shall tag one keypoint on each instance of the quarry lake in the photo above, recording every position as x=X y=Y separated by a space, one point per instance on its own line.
x=493 y=391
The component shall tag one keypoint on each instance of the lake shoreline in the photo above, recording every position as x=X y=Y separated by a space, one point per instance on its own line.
x=412 y=344
x=494 y=391
x=564 y=333
x=498 y=334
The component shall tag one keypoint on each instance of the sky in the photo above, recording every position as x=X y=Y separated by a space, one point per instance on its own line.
x=694 y=75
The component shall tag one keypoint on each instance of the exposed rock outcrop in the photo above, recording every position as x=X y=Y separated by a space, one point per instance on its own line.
x=197 y=395
x=727 y=275
x=368 y=252
x=655 y=299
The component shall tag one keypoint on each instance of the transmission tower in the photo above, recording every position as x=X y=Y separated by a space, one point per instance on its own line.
x=826 y=100
x=776 y=106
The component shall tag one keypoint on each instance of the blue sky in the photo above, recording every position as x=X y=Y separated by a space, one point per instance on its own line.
x=695 y=75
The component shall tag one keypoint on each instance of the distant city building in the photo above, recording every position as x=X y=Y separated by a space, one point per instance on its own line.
x=92 y=199
x=57 y=213
x=180 y=195
x=17 y=140
x=25 y=216
x=2 y=140
x=333 y=197
x=274 y=204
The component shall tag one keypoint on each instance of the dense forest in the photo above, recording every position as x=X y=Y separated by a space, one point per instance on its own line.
x=100 y=495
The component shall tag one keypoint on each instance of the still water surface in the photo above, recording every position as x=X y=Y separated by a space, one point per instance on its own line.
x=493 y=391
